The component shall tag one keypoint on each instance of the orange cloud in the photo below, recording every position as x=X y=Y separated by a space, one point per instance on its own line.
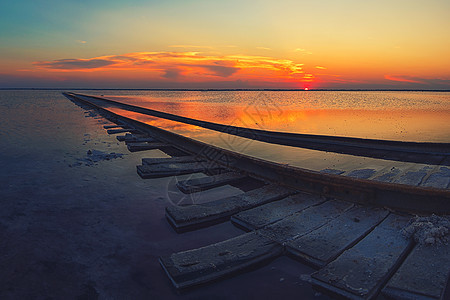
x=308 y=77
x=185 y=66
x=402 y=78
x=75 y=64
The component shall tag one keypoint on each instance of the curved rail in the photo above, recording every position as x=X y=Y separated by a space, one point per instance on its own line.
x=417 y=152
x=396 y=196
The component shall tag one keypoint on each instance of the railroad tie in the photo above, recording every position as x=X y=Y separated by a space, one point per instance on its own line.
x=122 y=130
x=129 y=137
x=200 y=215
x=361 y=271
x=267 y=214
x=135 y=147
x=423 y=275
x=173 y=169
x=179 y=159
x=193 y=267
x=113 y=126
x=304 y=222
x=324 y=244
x=439 y=179
x=206 y=183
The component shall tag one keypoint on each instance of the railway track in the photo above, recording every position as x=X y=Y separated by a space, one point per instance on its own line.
x=349 y=229
x=417 y=152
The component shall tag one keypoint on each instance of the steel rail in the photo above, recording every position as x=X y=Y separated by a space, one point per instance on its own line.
x=418 y=152
x=399 y=197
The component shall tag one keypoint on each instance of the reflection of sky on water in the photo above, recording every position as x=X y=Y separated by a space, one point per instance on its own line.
x=302 y=100
x=304 y=158
x=404 y=116
x=403 y=125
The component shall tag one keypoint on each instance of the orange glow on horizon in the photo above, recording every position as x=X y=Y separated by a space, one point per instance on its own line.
x=184 y=67
x=206 y=69
x=175 y=44
x=401 y=79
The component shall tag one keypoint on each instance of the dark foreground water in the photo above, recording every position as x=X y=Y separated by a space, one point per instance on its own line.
x=75 y=225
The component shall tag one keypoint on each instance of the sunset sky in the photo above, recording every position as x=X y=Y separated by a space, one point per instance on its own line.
x=325 y=44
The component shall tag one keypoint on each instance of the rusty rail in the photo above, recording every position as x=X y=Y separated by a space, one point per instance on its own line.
x=417 y=152
x=395 y=196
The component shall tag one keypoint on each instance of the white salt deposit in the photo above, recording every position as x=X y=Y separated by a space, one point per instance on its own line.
x=428 y=230
x=94 y=156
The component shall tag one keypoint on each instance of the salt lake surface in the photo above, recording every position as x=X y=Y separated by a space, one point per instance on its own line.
x=404 y=116
x=76 y=220
x=74 y=225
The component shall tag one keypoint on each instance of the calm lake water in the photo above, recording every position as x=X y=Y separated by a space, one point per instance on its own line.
x=69 y=225
x=71 y=222
x=405 y=116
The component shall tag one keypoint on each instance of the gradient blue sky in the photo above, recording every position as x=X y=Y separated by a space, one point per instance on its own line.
x=225 y=44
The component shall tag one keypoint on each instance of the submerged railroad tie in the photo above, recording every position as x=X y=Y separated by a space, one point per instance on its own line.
x=361 y=271
x=209 y=182
x=304 y=222
x=143 y=146
x=267 y=214
x=136 y=139
x=357 y=250
x=122 y=130
x=113 y=126
x=174 y=160
x=174 y=169
x=423 y=275
x=323 y=245
x=200 y=215
x=129 y=138
x=188 y=268
x=205 y=264
x=140 y=141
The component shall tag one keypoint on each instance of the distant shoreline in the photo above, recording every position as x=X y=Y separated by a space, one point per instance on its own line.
x=226 y=90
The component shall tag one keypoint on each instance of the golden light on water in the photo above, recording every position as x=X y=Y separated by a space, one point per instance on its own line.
x=393 y=124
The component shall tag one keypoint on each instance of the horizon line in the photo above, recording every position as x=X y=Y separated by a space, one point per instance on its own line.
x=232 y=89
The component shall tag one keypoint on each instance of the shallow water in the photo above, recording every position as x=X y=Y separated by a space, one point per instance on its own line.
x=67 y=229
x=428 y=121
x=404 y=116
x=70 y=223
x=348 y=165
